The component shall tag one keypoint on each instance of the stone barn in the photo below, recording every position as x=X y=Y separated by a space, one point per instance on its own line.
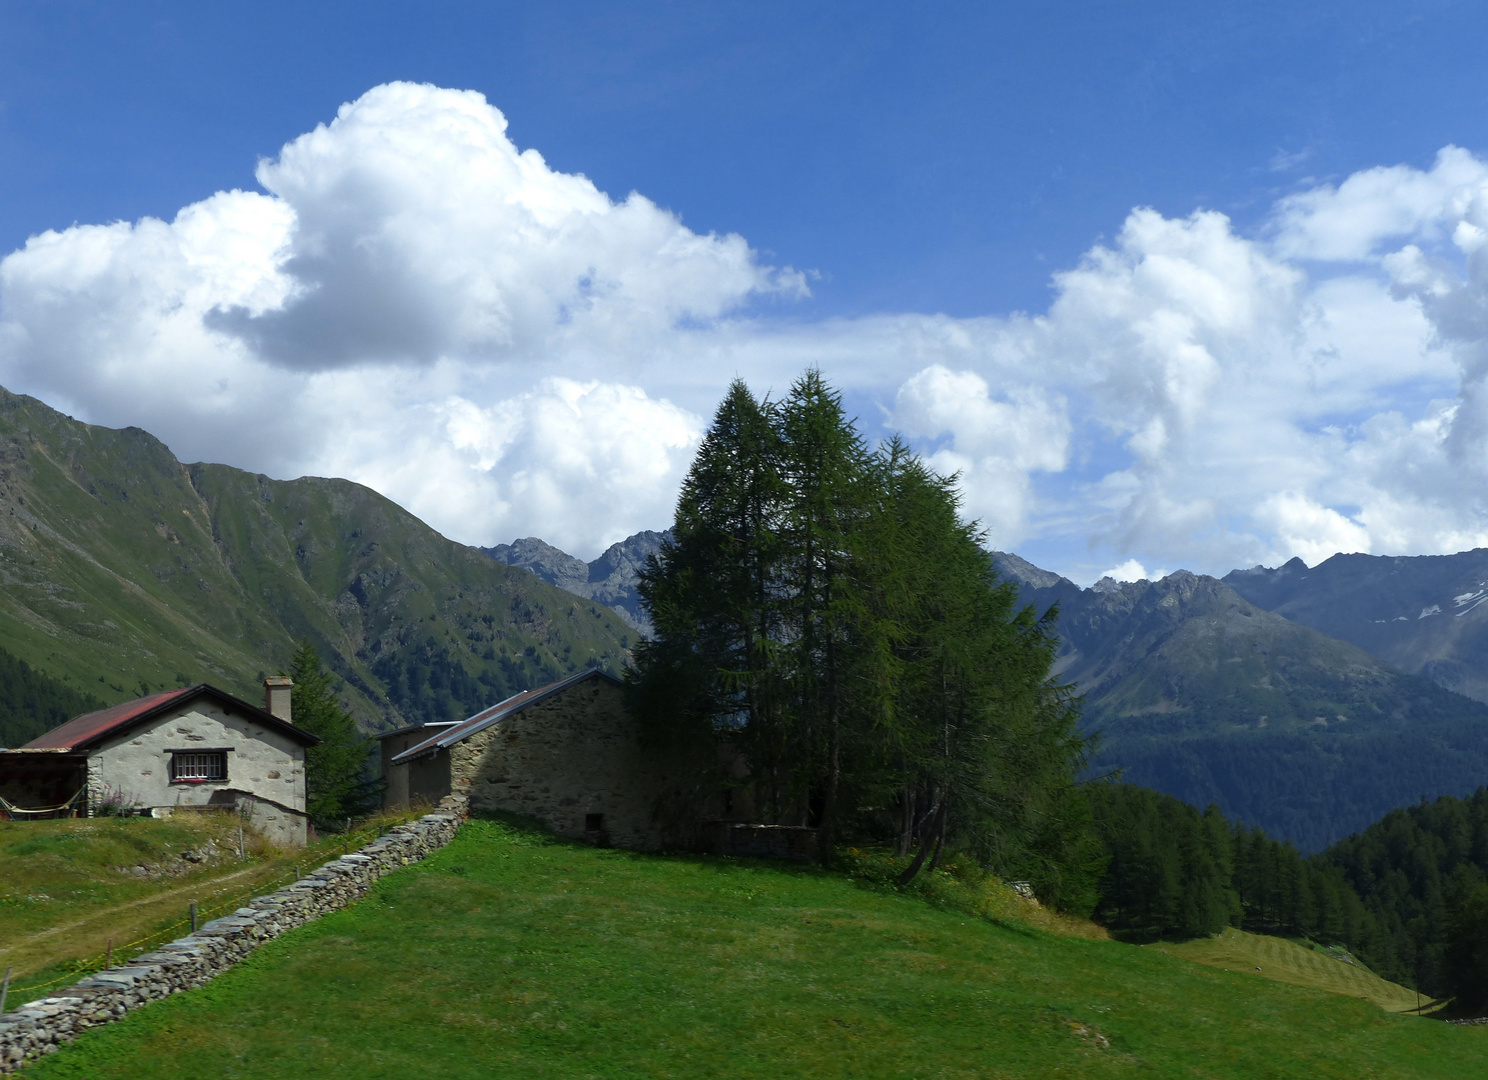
x=567 y=754
x=195 y=748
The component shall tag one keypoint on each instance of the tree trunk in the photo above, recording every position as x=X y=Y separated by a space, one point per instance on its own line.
x=930 y=840
x=939 y=840
x=827 y=835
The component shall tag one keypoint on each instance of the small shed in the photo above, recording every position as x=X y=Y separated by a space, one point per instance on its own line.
x=197 y=747
x=567 y=754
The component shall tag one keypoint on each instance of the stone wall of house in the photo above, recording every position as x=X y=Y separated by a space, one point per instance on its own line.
x=39 y=1027
x=573 y=762
x=428 y=778
x=265 y=769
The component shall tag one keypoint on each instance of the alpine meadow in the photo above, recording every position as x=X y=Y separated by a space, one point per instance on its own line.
x=730 y=541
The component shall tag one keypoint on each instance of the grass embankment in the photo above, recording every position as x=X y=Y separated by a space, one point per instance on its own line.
x=511 y=953
x=1288 y=962
x=68 y=887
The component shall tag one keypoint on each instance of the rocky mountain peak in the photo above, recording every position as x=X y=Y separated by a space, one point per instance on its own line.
x=543 y=559
x=612 y=579
x=1020 y=570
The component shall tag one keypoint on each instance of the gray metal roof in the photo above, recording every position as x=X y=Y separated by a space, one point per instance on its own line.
x=416 y=727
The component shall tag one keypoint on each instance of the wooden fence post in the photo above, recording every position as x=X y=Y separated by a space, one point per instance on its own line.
x=5 y=989
x=193 y=916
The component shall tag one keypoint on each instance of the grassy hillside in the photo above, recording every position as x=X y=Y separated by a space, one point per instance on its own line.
x=123 y=571
x=1332 y=970
x=510 y=953
x=68 y=887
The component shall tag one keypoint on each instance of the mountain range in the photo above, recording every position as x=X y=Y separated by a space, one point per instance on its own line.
x=1200 y=693
x=124 y=571
x=1302 y=701
x=1423 y=614
x=1308 y=701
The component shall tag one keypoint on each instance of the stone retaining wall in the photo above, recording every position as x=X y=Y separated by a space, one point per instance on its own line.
x=796 y=843
x=38 y=1027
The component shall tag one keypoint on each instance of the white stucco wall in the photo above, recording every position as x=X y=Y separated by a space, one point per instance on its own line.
x=265 y=769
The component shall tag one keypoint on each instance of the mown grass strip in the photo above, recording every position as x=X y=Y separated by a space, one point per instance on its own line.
x=1288 y=962
x=513 y=953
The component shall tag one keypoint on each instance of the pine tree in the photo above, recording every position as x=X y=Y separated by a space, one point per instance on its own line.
x=336 y=785
x=824 y=609
x=826 y=511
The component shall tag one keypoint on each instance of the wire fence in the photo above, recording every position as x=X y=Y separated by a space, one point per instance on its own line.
x=80 y=968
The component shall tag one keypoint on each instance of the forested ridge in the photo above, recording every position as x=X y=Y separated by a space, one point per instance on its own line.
x=133 y=572
x=1422 y=872
x=1408 y=895
x=32 y=702
x=1175 y=872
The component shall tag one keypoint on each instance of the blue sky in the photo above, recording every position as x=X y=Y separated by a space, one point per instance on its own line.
x=936 y=158
x=901 y=162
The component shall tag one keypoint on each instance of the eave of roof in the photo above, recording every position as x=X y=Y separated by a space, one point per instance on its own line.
x=89 y=729
x=496 y=713
x=416 y=727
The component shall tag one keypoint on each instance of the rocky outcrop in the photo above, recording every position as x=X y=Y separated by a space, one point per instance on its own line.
x=547 y=562
x=40 y=1027
x=610 y=579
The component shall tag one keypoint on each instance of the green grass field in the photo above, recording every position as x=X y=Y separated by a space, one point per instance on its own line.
x=512 y=953
x=67 y=888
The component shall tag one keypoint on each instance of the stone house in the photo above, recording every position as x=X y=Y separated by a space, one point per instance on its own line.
x=194 y=748
x=567 y=754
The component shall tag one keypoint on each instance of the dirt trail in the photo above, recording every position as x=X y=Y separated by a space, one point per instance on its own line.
x=114 y=912
x=126 y=922
x=133 y=919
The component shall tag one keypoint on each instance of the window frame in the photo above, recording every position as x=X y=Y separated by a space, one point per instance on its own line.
x=217 y=753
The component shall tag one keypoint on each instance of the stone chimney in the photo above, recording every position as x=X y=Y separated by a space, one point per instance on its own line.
x=276 y=696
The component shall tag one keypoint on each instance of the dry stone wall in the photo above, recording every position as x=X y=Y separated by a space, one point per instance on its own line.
x=39 y=1027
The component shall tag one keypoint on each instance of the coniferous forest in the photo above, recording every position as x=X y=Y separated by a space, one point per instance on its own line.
x=1408 y=895
x=32 y=702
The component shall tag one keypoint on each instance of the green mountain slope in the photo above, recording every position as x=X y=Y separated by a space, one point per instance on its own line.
x=123 y=571
x=1200 y=694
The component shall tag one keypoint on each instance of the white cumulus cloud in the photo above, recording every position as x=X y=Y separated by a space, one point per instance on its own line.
x=411 y=300
x=402 y=257
x=995 y=445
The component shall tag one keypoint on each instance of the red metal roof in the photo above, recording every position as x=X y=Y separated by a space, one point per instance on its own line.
x=448 y=736
x=94 y=725
x=83 y=731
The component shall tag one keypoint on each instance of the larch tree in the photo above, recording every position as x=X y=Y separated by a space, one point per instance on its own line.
x=336 y=784
x=824 y=608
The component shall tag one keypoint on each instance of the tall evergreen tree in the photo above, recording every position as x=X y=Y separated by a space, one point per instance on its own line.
x=826 y=512
x=712 y=596
x=825 y=609
x=336 y=784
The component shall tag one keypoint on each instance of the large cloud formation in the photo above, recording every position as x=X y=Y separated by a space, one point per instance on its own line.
x=413 y=302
